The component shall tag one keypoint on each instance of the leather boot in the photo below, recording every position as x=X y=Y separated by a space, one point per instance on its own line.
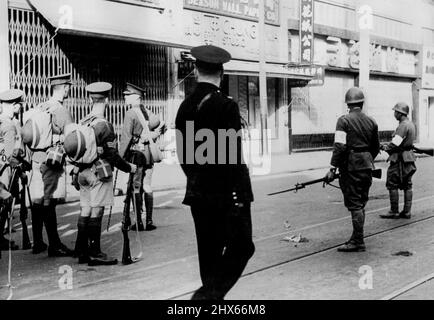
x=139 y=206
x=356 y=243
x=81 y=250
x=394 y=205
x=55 y=247
x=149 y=205
x=37 y=227
x=408 y=199
x=5 y=244
x=96 y=256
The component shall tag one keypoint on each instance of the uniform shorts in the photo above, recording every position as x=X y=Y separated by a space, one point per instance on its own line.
x=95 y=193
x=46 y=183
x=399 y=175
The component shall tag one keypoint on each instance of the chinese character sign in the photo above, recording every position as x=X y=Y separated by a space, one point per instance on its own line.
x=306 y=30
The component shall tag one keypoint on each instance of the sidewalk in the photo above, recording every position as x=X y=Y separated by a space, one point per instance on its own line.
x=169 y=176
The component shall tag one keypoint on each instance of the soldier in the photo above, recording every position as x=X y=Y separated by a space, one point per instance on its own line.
x=355 y=148
x=96 y=189
x=44 y=184
x=131 y=132
x=11 y=153
x=218 y=192
x=402 y=164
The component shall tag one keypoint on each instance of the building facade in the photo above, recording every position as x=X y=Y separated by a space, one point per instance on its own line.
x=147 y=42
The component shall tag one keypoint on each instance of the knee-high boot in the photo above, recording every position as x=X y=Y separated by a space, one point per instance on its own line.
x=149 y=205
x=96 y=256
x=139 y=205
x=82 y=242
x=356 y=242
x=37 y=227
x=394 y=205
x=408 y=200
x=5 y=244
x=55 y=247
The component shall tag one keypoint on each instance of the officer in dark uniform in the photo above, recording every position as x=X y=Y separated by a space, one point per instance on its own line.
x=355 y=148
x=402 y=164
x=218 y=191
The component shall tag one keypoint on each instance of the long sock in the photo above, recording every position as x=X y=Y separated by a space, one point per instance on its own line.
x=37 y=224
x=82 y=241
x=408 y=200
x=149 y=205
x=94 y=230
x=394 y=200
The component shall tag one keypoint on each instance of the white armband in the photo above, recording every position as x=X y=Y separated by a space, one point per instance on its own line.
x=397 y=140
x=341 y=137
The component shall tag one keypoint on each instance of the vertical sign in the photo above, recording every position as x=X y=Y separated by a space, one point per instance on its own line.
x=306 y=31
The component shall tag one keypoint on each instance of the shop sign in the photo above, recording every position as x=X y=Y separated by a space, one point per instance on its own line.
x=428 y=68
x=239 y=37
x=312 y=70
x=242 y=9
x=383 y=59
x=158 y=4
x=306 y=31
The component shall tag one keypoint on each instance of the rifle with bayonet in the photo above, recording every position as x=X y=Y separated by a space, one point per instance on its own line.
x=427 y=151
x=377 y=174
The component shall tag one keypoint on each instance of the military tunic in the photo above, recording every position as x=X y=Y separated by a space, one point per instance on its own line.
x=95 y=193
x=356 y=146
x=219 y=223
x=44 y=183
x=402 y=159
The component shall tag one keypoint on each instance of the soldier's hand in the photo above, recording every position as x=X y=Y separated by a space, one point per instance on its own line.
x=133 y=168
x=330 y=176
x=75 y=182
x=24 y=179
x=18 y=153
x=163 y=129
x=14 y=162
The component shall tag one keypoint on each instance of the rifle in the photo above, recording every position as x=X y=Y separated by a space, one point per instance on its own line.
x=24 y=215
x=377 y=174
x=427 y=151
x=126 y=221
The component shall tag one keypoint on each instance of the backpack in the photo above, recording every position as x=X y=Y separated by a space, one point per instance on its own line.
x=37 y=131
x=80 y=141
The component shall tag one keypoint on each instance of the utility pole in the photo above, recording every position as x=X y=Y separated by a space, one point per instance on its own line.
x=365 y=25
x=263 y=79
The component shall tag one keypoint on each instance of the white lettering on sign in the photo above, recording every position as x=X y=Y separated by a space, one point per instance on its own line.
x=306 y=30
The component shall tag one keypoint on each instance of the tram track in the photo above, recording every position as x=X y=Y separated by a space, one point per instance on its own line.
x=256 y=271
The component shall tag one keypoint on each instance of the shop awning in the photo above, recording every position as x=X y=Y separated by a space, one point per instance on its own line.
x=247 y=68
x=118 y=19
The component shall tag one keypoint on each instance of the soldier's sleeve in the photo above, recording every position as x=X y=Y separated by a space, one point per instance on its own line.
x=107 y=137
x=126 y=135
x=375 y=143
x=9 y=139
x=340 y=144
x=398 y=138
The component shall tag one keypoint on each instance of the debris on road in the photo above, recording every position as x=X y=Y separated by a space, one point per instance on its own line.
x=403 y=254
x=295 y=239
x=287 y=225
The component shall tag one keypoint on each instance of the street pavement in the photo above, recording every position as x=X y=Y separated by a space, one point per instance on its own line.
x=279 y=270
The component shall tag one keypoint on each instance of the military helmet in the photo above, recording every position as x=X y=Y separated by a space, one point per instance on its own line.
x=354 y=95
x=402 y=107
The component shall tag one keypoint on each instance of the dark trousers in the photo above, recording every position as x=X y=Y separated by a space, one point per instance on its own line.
x=355 y=187
x=224 y=240
x=399 y=175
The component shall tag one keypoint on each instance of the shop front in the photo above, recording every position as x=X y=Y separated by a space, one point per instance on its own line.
x=426 y=96
x=315 y=110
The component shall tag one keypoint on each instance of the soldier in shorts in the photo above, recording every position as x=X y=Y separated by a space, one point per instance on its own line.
x=11 y=151
x=95 y=181
x=45 y=185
